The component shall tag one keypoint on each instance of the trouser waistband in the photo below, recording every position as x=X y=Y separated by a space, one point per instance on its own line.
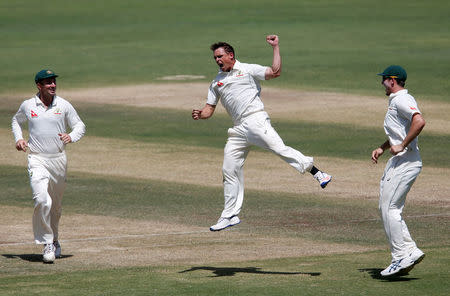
x=247 y=116
x=49 y=155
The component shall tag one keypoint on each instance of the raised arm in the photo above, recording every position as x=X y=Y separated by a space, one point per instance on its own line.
x=275 y=70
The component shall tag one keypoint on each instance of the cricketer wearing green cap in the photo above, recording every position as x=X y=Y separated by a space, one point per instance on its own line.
x=402 y=124
x=394 y=71
x=52 y=124
x=43 y=74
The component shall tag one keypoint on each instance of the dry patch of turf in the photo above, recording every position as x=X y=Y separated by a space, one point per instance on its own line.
x=297 y=105
x=108 y=241
x=15 y=224
x=263 y=170
x=322 y=107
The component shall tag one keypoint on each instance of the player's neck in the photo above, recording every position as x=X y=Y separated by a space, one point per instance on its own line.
x=228 y=69
x=397 y=89
x=46 y=100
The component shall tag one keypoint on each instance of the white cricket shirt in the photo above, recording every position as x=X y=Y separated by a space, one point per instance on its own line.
x=238 y=90
x=397 y=122
x=44 y=125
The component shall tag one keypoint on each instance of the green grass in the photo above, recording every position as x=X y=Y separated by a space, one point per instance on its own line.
x=271 y=214
x=354 y=274
x=326 y=45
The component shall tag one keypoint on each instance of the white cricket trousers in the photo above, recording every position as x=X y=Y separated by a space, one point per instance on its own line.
x=48 y=181
x=398 y=178
x=255 y=129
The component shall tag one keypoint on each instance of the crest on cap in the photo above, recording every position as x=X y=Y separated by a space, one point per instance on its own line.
x=43 y=74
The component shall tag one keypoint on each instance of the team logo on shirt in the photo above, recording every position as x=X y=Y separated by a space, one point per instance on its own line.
x=33 y=114
x=239 y=74
x=219 y=83
x=412 y=108
x=57 y=111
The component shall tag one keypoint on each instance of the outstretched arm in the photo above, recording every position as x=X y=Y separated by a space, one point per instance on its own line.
x=275 y=70
x=204 y=113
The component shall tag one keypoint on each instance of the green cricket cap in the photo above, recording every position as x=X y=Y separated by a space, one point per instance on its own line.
x=394 y=71
x=44 y=74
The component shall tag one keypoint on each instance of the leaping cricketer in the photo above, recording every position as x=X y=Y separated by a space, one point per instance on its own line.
x=402 y=124
x=48 y=116
x=237 y=86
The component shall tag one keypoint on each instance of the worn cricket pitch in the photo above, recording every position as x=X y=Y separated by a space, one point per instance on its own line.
x=108 y=241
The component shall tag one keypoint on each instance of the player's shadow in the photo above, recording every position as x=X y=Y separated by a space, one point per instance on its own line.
x=231 y=271
x=375 y=274
x=31 y=257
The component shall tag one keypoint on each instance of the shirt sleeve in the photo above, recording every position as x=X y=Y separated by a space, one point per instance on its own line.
x=257 y=71
x=75 y=123
x=16 y=123
x=407 y=107
x=213 y=96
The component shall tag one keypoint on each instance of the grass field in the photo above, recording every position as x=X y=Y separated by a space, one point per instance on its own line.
x=326 y=45
x=145 y=182
x=269 y=218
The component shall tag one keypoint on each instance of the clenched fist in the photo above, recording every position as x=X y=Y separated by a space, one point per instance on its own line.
x=272 y=40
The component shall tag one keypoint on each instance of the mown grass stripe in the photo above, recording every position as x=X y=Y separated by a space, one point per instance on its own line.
x=337 y=274
x=177 y=127
x=317 y=139
x=325 y=45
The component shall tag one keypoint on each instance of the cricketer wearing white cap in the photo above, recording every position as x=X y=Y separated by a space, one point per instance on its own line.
x=237 y=86
x=48 y=116
x=402 y=124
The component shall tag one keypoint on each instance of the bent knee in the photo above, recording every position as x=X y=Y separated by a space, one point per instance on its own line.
x=230 y=171
x=392 y=213
x=42 y=199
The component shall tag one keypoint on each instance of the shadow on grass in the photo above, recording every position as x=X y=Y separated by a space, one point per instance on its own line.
x=231 y=271
x=375 y=274
x=31 y=257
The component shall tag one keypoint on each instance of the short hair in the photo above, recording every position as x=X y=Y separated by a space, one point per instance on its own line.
x=400 y=82
x=227 y=47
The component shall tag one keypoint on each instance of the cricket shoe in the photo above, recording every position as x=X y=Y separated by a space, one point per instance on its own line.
x=322 y=178
x=413 y=259
x=49 y=253
x=394 y=269
x=57 y=246
x=223 y=223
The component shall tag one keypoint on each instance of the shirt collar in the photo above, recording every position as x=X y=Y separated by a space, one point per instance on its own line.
x=39 y=102
x=236 y=66
x=400 y=92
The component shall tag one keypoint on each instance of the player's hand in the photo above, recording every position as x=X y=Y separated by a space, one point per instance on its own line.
x=196 y=114
x=21 y=145
x=376 y=154
x=272 y=40
x=396 y=149
x=65 y=138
